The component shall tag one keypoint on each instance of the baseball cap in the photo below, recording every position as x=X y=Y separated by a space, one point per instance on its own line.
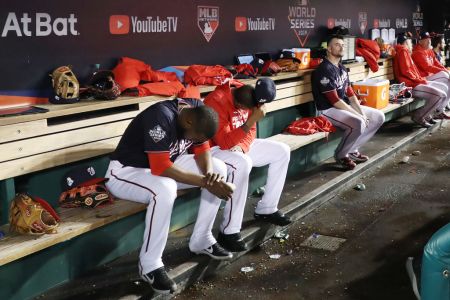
x=257 y=65
x=286 y=53
x=102 y=85
x=265 y=91
x=424 y=35
x=402 y=37
x=80 y=176
x=100 y=75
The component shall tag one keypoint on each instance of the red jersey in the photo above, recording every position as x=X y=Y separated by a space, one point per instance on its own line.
x=404 y=68
x=229 y=133
x=426 y=61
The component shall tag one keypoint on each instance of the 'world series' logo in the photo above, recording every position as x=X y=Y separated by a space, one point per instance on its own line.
x=302 y=19
x=208 y=20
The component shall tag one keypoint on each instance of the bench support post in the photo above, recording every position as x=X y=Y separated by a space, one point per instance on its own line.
x=7 y=192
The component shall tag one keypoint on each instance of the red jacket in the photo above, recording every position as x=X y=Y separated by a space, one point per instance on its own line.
x=310 y=125
x=404 y=68
x=426 y=61
x=229 y=133
x=141 y=80
x=370 y=51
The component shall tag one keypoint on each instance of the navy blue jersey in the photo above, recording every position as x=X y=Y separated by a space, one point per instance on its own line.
x=328 y=77
x=155 y=130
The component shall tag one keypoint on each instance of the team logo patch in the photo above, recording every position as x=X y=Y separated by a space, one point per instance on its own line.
x=157 y=133
x=208 y=20
x=69 y=181
x=325 y=81
x=91 y=171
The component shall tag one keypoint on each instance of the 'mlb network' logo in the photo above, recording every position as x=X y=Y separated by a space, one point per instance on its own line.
x=41 y=25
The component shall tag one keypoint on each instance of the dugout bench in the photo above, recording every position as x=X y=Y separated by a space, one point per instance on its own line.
x=38 y=149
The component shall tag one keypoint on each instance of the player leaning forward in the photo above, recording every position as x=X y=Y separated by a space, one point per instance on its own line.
x=336 y=100
x=151 y=163
x=235 y=143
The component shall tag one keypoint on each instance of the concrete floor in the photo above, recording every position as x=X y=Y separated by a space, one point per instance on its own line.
x=403 y=205
x=389 y=221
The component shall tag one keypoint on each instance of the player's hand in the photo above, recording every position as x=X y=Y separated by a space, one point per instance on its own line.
x=211 y=177
x=221 y=189
x=365 y=119
x=237 y=148
x=259 y=112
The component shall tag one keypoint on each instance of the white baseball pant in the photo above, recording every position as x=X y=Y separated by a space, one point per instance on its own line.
x=442 y=77
x=139 y=185
x=356 y=133
x=262 y=152
x=435 y=95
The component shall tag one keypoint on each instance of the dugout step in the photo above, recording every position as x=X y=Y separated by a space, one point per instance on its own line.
x=186 y=268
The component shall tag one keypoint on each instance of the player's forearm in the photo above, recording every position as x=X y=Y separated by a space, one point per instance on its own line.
x=344 y=106
x=251 y=121
x=183 y=176
x=354 y=103
x=204 y=162
x=227 y=140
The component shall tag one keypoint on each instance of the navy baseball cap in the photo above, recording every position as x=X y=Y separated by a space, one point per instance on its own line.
x=425 y=35
x=265 y=91
x=401 y=38
x=289 y=54
x=80 y=176
x=257 y=65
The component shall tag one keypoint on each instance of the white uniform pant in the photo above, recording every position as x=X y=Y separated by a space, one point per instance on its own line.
x=262 y=152
x=442 y=77
x=356 y=133
x=435 y=95
x=159 y=193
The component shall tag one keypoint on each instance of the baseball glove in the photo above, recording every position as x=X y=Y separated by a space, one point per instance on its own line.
x=102 y=86
x=65 y=85
x=32 y=215
x=287 y=64
x=86 y=196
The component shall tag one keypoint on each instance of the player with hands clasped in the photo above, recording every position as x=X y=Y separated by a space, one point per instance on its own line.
x=152 y=162
x=336 y=100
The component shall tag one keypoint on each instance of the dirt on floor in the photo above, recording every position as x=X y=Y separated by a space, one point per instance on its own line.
x=402 y=205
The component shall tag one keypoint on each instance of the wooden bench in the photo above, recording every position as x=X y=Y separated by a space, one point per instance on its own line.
x=66 y=134
x=89 y=129
x=70 y=133
x=297 y=141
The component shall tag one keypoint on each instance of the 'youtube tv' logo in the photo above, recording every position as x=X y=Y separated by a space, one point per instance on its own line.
x=240 y=24
x=119 y=24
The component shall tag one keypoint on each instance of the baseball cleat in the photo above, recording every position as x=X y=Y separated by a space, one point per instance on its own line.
x=232 y=242
x=346 y=162
x=432 y=121
x=160 y=281
x=358 y=157
x=216 y=252
x=442 y=116
x=422 y=123
x=277 y=218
